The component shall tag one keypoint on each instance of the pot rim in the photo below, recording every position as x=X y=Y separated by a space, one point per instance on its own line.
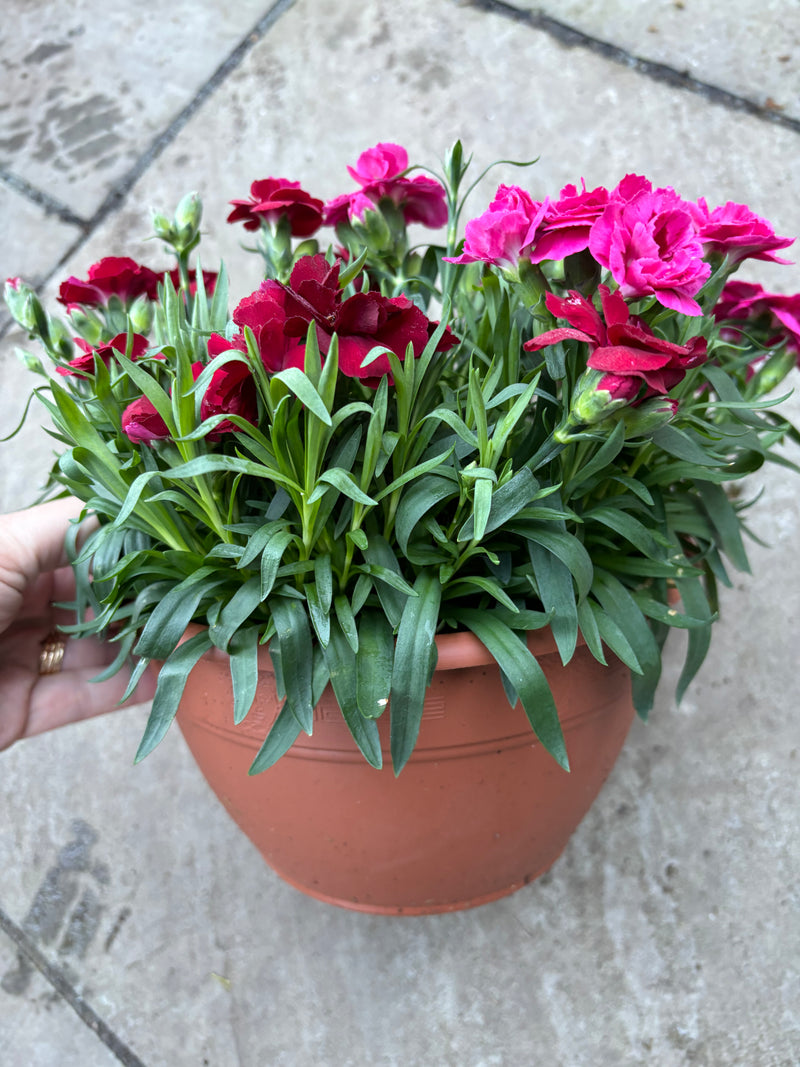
x=455 y=650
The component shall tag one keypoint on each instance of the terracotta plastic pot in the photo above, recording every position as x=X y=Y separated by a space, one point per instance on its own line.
x=479 y=811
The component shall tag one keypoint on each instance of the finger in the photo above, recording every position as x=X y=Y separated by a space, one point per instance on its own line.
x=72 y=696
x=33 y=539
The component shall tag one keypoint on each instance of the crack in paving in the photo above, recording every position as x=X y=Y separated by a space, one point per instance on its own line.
x=66 y=909
x=649 y=68
x=67 y=992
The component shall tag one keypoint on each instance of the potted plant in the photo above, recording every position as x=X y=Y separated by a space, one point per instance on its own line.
x=511 y=457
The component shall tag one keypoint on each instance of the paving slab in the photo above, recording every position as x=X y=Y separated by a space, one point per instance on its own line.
x=88 y=88
x=430 y=74
x=44 y=1030
x=667 y=933
x=750 y=50
x=34 y=240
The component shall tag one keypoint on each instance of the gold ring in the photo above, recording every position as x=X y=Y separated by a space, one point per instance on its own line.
x=52 y=655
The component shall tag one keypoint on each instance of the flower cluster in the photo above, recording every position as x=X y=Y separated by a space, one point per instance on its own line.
x=651 y=241
x=530 y=426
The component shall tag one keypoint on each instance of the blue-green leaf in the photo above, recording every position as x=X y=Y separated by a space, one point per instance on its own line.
x=341 y=661
x=414 y=662
x=518 y=663
x=171 y=683
x=244 y=670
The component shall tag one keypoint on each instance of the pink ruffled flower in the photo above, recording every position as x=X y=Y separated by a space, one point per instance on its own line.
x=648 y=240
x=505 y=232
x=271 y=198
x=568 y=222
x=624 y=348
x=112 y=276
x=735 y=231
x=84 y=363
x=379 y=172
x=379 y=164
x=775 y=316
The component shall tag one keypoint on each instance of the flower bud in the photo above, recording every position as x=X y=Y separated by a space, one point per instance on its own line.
x=591 y=404
x=30 y=361
x=162 y=227
x=649 y=416
x=372 y=229
x=23 y=303
x=141 y=315
x=188 y=214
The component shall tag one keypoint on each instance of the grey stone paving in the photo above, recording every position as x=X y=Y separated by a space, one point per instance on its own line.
x=668 y=933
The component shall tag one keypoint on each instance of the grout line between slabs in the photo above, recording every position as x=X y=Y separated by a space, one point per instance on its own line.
x=57 y=980
x=162 y=141
x=51 y=205
x=658 y=72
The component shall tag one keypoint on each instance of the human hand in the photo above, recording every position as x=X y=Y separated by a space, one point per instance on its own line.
x=34 y=574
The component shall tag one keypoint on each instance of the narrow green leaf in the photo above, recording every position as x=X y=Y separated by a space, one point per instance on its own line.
x=282 y=735
x=135 y=678
x=695 y=601
x=344 y=482
x=341 y=661
x=244 y=670
x=456 y=423
x=520 y=666
x=481 y=505
x=507 y=501
x=347 y=622
x=374 y=662
x=323 y=577
x=629 y=527
x=678 y=443
x=619 y=603
x=600 y=461
x=465 y=585
x=379 y=554
x=570 y=551
x=320 y=619
x=415 y=472
x=294 y=641
x=591 y=634
x=663 y=613
x=614 y=637
x=423 y=495
x=256 y=542
x=271 y=559
x=165 y=627
x=554 y=582
x=171 y=683
x=241 y=607
x=723 y=515
x=414 y=662
x=305 y=392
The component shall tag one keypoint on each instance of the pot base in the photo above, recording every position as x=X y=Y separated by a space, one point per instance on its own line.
x=426 y=908
x=479 y=811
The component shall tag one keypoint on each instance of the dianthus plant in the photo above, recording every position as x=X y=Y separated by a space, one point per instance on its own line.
x=539 y=424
